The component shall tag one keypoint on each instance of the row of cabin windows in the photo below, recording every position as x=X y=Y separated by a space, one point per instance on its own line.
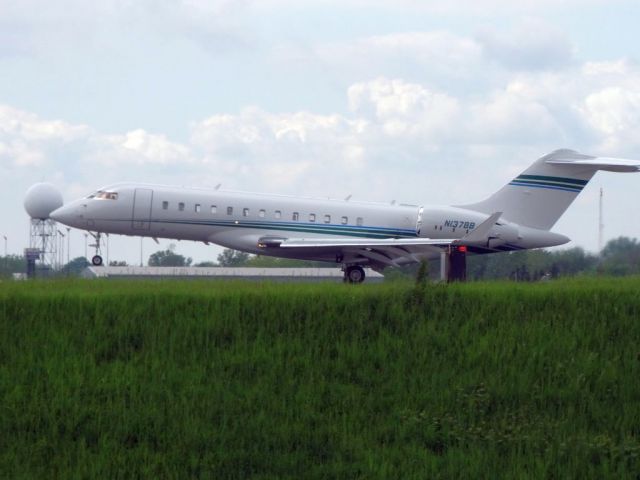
x=344 y=220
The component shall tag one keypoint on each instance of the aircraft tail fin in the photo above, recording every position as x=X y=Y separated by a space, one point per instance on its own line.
x=541 y=194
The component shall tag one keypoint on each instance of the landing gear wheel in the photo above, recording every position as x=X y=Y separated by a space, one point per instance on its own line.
x=97 y=261
x=354 y=274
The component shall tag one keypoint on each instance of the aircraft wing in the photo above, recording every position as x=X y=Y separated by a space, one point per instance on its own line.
x=382 y=252
x=363 y=243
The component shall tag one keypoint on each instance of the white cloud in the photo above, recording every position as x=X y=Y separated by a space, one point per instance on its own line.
x=27 y=140
x=215 y=25
x=402 y=109
x=615 y=114
x=144 y=148
x=278 y=150
x=509 y=117
x=533 y=44
x=485 y=8
x=389 y=121
x=616 y=67
x=439 y=53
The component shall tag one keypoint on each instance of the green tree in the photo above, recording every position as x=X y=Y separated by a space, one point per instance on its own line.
x=573 y=261
x=76 y=266
x=620 y=256
x=531 y=264
x=232 y=258
x=168 y=258
x=12 y=264
x=206 y=264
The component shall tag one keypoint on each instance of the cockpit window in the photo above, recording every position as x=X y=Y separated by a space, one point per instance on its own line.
x=106 y=195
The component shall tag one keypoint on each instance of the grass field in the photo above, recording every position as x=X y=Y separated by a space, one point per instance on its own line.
x=248 y=380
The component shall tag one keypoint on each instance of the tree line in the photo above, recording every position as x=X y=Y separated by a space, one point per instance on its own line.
x=620 y=256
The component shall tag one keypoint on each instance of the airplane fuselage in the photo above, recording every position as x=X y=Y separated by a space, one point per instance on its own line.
x=249 y=221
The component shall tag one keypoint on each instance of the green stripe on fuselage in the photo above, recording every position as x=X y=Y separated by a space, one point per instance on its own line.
x=363 y=232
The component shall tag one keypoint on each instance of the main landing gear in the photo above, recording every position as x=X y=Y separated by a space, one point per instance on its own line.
x=353 y=274
x=96 y=260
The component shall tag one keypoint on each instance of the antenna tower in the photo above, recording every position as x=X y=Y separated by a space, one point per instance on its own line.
x=43 y=238
x=600 y=224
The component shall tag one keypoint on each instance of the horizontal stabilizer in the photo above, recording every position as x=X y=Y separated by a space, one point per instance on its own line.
x=600 y=163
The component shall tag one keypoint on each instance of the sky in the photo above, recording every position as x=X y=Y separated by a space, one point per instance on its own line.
x=423 y=102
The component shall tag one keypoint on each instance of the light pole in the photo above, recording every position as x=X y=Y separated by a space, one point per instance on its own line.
x=6 y=260
x=61 y=252
x=68 y=243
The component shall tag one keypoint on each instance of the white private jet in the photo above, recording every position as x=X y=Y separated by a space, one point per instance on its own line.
x=353 y=234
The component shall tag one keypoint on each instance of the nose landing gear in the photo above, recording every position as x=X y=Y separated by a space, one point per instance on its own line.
x=96 y=260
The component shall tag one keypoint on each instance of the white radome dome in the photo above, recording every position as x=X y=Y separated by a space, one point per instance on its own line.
x=41 y=199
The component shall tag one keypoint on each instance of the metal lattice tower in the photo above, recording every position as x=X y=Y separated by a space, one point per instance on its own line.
x=44 y=238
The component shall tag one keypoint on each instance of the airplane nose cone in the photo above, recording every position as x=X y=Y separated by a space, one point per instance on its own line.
x=63 y=214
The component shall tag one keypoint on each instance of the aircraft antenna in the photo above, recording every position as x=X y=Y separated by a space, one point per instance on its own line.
x=600 y=223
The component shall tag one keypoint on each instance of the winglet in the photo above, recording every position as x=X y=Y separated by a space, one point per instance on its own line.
x=480 y=234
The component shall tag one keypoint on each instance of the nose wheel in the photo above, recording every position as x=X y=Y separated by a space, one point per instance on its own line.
x=96 y=260
x=354 y=274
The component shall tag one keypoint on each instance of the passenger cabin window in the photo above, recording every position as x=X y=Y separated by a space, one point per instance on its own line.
x=245 y=212
x=344 y=220
x=295 y=216
x=312 y=217
x=165 y=205
x=262 y=213
x=359 y=221
x=229 y=210
x=181 y=206
x=327 y=219
x=197 y=208
x=214 y=209
x=278 y=214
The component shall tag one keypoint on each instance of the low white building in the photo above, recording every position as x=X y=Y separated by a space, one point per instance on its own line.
x=226 y=273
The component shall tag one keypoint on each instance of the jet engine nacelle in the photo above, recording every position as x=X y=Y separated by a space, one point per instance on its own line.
x=504 y=233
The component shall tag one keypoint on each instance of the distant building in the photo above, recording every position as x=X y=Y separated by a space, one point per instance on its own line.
x=226 y=273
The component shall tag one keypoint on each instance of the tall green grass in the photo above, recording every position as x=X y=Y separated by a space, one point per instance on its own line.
x=237 y=380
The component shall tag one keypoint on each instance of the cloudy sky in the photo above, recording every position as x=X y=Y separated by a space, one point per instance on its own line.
x=419 y=101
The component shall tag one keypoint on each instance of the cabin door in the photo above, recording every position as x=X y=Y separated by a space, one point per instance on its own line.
x=142 y=208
